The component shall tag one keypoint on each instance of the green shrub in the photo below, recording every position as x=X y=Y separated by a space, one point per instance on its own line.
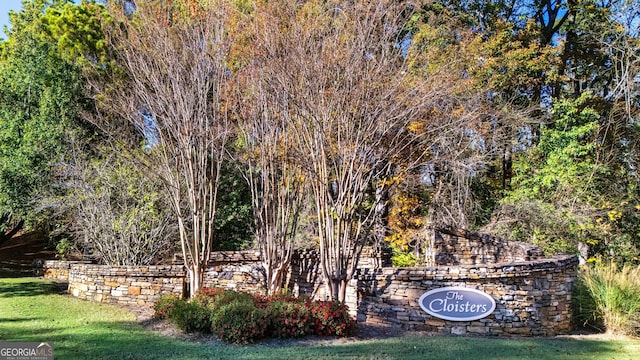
x=289 y=318
x=163 y=307
x=191 y=316
x=218 y=297
x=608 y=297
x=239 y=322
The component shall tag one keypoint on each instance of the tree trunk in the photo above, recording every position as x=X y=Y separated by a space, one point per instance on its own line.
x=342 y=296
x=334 y=288
x=11 y=233
x=196 y=275
x=337 y=288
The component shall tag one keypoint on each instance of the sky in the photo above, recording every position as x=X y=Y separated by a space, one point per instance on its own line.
x=5 y=6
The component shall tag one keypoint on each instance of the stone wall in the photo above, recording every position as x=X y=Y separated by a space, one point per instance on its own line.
x=55 y=269
x=532 y=293
x=237 y=270
x=461 y=247
x=243 y=271
x=305 y=276
x=125 y=284
x=533 y=298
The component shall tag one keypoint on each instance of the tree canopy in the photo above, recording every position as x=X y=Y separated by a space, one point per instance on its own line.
x=41 y=95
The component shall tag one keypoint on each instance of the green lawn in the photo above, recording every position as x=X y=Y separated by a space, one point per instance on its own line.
x=31 y=310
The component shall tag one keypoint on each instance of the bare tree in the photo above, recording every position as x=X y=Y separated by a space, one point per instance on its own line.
x=344 y=85
x=267 y=153
x=622 y=45
x=275 y=180
x=114 y=212
x=173 y=56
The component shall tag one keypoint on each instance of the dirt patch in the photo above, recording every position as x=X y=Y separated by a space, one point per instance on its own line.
x=144 y=316
x=584 y=335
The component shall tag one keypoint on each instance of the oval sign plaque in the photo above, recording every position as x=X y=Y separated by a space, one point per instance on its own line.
x=457 y=303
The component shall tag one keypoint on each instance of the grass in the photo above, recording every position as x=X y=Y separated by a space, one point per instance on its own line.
x=32 y=310
x=609 y=297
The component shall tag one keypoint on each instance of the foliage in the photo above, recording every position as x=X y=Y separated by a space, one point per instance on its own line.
x=562 y=189
x=607 y=296
x=191 y=316
x=234 y=226
x=76 y=30
x=617 y=228
x=115 y=212
x=514 y=64
x=536 y=222
x=208 y=296
x=165 y=305
x=196 y=314
x=64 y=248
x=524 y=59
x=445 y=51
x=402 y=257
x=288 y=319
x=240 y=317
x=566 y=154
x=406 y=219
x=239 y=322
x=216 y=298
x=332 y=318
x=41 y=95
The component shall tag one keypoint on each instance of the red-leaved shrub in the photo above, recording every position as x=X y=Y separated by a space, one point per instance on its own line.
x=240 y=317
x=287 y=319
x=332 y=318
x=164 y=306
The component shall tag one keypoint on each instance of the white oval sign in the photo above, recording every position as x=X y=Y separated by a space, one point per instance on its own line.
x=457 y=303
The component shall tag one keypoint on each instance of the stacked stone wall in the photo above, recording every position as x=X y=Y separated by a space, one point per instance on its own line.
x=461 y=247
x=305 y=275
x=55 y=269
x=532 y=293
x=532 y=298
x=141 y=285
x=236 y=270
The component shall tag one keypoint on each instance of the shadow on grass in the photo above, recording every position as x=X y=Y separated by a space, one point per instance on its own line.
x=24 y=287
x=109 y=340
x=16 y=320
